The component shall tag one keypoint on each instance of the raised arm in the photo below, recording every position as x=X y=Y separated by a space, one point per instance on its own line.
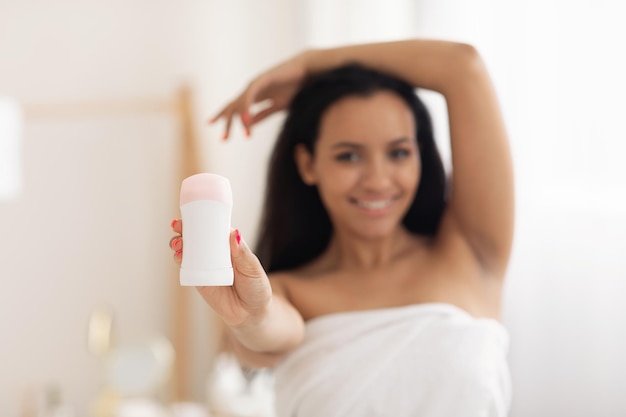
x=481 y=206
x=480 y=210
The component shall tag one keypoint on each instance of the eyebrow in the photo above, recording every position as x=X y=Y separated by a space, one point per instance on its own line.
x=359 y=146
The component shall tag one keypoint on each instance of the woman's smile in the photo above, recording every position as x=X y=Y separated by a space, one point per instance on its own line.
x=378 y=207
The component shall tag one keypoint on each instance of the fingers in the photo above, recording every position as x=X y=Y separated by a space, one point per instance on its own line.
x=218 y=116
x=250 y=96
x=244 y=261
x=178 y=256
x=245 y=119
x=226 y=113
x=229 y=121
x=176 y=242
x=177 y=226
x=235 y=244
x=240 y=106
x=263 y=114
x=229 y=114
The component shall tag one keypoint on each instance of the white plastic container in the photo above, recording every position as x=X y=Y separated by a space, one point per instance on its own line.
x=206 y=204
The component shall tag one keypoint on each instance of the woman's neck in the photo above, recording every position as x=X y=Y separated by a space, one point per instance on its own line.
x=349 y=251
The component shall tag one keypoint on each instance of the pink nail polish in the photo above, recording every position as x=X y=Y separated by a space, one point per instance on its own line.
x=238 y=237
x=173 y=223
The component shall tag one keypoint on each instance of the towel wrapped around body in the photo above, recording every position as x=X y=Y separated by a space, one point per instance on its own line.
x=431 y=359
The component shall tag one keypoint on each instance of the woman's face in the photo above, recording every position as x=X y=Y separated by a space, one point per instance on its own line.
x=366 y=163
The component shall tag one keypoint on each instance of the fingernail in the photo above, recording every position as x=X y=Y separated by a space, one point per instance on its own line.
x=173 y=223
x=247 y=132
x=225 y=136
x=238 y=237
x=175 y=242
x=178 y=252
x=245 y=118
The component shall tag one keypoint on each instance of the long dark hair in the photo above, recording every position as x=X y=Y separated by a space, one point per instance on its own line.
x=295 y=226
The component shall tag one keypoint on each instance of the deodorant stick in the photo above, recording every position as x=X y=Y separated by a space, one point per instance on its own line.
x=205 y=204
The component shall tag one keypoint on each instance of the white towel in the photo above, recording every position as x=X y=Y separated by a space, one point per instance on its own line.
x=430 y=359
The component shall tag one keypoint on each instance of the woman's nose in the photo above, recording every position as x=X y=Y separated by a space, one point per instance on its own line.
x=377 y=175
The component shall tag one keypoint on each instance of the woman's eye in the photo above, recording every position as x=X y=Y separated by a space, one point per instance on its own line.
x=400 y=153
x=347 y=157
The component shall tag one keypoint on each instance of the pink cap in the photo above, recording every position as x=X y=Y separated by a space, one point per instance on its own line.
x=205 y=187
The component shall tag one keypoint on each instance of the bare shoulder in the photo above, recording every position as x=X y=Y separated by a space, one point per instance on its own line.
x=298 y=287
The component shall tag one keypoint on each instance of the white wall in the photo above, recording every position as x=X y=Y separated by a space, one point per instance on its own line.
x=91 y=226
x=85 y=231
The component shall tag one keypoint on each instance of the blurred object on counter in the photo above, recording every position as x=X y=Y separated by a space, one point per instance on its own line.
x=133 y=374
x=99 y=337
x=44 y=401
x=239 y=392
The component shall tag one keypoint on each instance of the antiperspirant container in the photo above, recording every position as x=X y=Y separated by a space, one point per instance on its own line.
x=206 y=204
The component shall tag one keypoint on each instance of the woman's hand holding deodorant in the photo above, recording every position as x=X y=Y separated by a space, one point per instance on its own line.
x=216 y=260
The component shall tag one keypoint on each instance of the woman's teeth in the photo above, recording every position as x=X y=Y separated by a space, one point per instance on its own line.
x=374 y=205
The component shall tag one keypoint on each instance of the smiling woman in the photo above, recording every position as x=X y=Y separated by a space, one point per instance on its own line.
x=375 y=294
x=366 y=176
x=358 y=124
x=361 y=139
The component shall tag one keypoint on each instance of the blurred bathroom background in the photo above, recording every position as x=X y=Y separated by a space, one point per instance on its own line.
x=91 y=146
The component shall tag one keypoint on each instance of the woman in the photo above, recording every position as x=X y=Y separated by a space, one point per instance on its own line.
x=384 y=287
